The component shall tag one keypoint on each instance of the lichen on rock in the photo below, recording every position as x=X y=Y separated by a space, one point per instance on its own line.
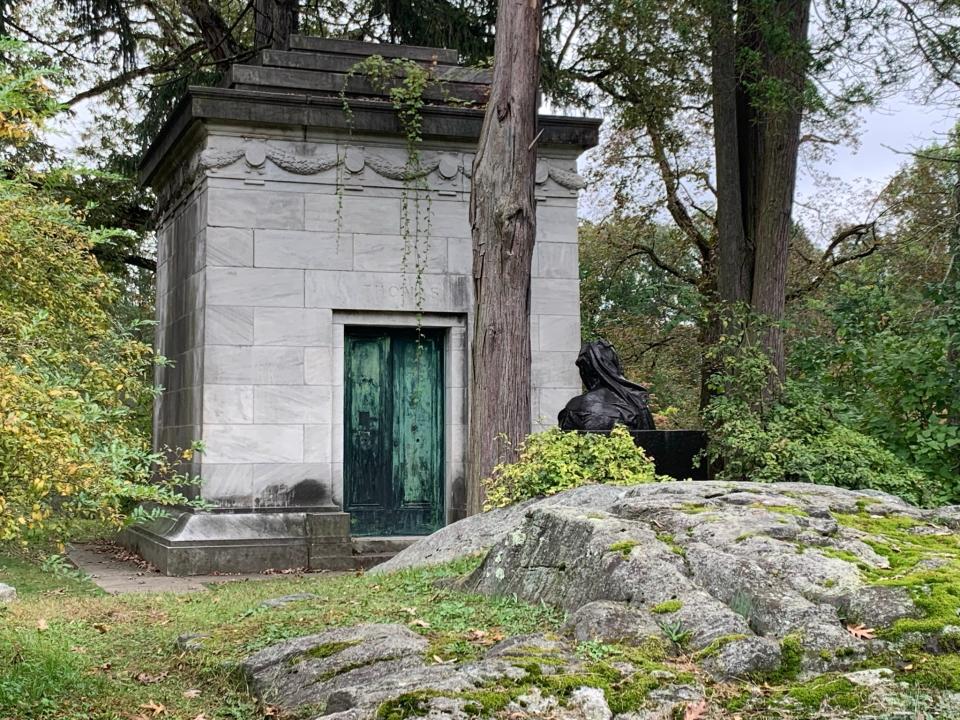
x=801 y=587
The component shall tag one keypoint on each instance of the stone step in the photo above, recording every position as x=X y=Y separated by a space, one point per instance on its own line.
x=385 y=545
x=348 y=64
x=332 y=84
x=365 y=562
x=370 y=551
x=365 y=49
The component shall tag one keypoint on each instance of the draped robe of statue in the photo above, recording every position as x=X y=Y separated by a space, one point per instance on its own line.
x=610 y=399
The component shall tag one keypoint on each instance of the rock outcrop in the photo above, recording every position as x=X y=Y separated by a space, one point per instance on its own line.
x=763 y=582
x=737 y=569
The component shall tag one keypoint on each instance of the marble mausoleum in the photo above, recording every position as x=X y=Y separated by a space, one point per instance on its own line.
x=314 y=297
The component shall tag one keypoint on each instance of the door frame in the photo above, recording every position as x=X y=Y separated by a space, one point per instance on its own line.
x=453 y=328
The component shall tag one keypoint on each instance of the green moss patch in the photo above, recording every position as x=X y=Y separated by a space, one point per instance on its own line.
x=668 y=606
x=325 y=650
x=781 y=509
x=624 y=547
x=909 y=545
x=716 y=646
x=829 y=691
x=939 y=672
x=668 y=540
x=623 y=692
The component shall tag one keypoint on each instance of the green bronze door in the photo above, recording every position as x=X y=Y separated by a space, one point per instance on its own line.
x=393 y=431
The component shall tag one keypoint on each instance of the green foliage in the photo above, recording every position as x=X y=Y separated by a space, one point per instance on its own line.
x=72 y=381
x=797 y=440
x=889 y=374
x=651 y=316
x=26 y=97
x=798 y=437
x=553 y=461
x=403 y=81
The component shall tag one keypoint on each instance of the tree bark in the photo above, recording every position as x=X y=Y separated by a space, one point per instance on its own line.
x=503 y=223
x=735 y=257
x=275 y=21
x=214 y=30
x=952 y=281
x=759 y=67
x=776 y=174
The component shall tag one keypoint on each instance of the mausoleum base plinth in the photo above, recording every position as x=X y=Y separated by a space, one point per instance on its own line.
x=191 y=543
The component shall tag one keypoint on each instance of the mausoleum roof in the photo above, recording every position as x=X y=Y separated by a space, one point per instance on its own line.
x=307 y=85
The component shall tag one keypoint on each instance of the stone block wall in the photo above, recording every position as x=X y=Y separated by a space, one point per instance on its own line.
x=180 y=292
x=284 y=242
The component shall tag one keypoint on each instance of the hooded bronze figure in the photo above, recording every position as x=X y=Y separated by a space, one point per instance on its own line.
x=610 y=398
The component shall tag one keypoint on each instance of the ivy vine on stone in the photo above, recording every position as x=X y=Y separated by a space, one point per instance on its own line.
x=404 y=82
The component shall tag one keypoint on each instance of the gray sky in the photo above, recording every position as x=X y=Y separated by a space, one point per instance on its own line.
x=838 y=189
x=899 y=127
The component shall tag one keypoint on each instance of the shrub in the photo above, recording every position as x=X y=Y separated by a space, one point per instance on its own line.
x=796 y=435
x=797 y=439
x=553 y=461
x=73 y=382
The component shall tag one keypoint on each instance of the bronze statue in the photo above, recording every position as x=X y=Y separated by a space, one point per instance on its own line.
x=610 y=398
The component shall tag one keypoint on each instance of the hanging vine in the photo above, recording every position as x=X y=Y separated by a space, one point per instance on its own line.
x=404 y=82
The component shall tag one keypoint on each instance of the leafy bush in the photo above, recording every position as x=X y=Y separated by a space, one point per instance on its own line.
x=553 y=461
x=73 y=383
x=26 y=98
x=797 y=437
x=890 y=373
x=797 y=440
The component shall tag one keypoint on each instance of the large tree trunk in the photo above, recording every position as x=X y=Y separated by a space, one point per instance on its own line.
x=735 y=257
x=274 y=22
x=759 y=67
x=503 y=220
x=776 y=172
x=952 y=280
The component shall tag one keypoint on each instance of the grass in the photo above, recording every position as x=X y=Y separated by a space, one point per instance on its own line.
x=69 y=652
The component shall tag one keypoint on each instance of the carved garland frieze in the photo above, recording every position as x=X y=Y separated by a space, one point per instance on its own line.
x=255 y=155
x=355 y=159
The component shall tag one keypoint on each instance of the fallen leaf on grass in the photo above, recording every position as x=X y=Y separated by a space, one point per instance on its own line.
x=101 y=628
x=420 y=623
x=409 y=610
x=440 y=661
x=482 y=637
x=155 y=708
x=696 y=710
x=861 y=632
x=192 y=693
x=201 y=716
x=148 y=679
x=42 y=625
